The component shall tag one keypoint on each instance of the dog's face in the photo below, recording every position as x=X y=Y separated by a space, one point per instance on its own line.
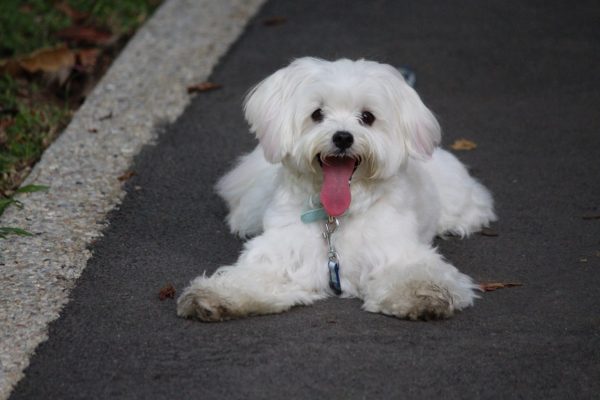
x=360 y=114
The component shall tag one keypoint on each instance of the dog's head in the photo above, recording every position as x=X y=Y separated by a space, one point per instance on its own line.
x=358 y=113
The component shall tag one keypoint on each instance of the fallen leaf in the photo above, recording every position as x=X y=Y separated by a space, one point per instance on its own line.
x=86 y=35
x=463 y=144
x=126 y=176
x=10 y=67
x=87 y=58
x=488 y=232
x=167 y=292
x=274 y=21
x=26 y=8
x=48 y=60
x=54 y=63
x=203 y=87
x=591 y=216
x=491 y=286
x=5 y=123
x=93 y=130
x=75 y=15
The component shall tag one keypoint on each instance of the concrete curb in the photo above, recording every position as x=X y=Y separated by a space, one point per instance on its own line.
x=146 y=86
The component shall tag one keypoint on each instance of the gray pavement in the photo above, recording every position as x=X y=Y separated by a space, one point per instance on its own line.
x=519 y=79
x=144 y=87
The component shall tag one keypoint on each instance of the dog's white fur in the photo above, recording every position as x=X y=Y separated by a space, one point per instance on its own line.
x=405 y=191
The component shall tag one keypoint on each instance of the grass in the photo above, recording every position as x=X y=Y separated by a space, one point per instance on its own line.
x=33 y=124
x=26 y=26
x=35 y=109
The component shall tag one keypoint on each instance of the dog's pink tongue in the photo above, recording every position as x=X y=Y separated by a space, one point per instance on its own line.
x=335 y=193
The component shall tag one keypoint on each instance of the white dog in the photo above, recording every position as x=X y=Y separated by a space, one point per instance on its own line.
x=346 y=191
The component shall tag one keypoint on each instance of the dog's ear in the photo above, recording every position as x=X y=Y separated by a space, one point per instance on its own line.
x=418 y=125
x=270 y=109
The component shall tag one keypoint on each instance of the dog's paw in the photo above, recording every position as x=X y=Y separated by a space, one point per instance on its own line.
x=204 y=305
x=419 y=300
x=429 y=301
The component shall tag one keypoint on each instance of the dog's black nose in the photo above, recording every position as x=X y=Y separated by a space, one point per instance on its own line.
x=343 y=139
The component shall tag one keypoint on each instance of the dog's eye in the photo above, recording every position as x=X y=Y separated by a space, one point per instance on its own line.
x=367 y=118
x=317 y=115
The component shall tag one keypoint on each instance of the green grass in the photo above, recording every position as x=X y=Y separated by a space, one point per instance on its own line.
x=29 y=25
x=34 y=111
x=33 y=125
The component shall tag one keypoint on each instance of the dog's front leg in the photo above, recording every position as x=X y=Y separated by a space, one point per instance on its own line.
x=270 y=277
x=420 y=285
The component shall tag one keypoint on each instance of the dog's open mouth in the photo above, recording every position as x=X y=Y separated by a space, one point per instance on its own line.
x=337 y=173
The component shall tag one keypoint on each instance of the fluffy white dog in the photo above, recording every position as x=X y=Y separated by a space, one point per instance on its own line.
x=346 y=191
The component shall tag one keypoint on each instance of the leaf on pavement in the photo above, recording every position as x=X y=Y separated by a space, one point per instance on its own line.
x=167 y=292
x=491 y=286
x=591 y=216
x=126 y=176
x=463 y=144
x=203 y=87
x=86 y=35
x=485 y=231
x=274 y=21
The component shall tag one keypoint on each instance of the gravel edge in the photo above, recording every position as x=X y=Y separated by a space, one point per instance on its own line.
x=145 y=87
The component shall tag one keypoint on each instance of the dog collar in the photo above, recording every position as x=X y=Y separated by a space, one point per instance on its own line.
x=316 y=212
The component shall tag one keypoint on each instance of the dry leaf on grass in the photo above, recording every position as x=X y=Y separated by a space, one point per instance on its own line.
x=87 y=58
x=75 y=15
x=491 y=286
x=86 y=35
x=26 y=8
x=4 y=124
x=463 y=144
x=203 y=87
x=48 y=60
x=167 y=292
x=54 y=63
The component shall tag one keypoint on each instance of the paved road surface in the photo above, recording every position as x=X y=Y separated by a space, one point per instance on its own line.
x=519 y=79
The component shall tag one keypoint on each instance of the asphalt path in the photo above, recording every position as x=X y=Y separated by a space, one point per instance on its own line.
x=518 y=78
